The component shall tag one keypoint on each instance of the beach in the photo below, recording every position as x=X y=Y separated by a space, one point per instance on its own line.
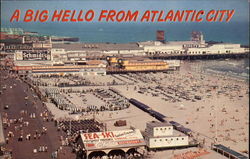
x=214 y=107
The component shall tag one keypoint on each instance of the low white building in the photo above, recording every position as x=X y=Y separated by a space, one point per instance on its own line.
x=56 y=54
x=156 y=47
x=159 y=129
x=76 y=55
x=160 y=135
x=173 y=64
x=62 y=55
x=221 y=48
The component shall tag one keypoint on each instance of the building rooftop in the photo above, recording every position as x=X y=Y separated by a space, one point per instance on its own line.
x=145 y=62
x=182 y=42
x=32 y=63
x=158 y=124
x=98 y=46
x=96 y=62
x=157 y=43
x=175 y=134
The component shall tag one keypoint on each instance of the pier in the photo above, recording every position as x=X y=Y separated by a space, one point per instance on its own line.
x=201 y=57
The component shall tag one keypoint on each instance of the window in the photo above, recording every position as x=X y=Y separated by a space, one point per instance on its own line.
x=155 y=140
x=182 y=138
x=166 y=139
x=177 y=138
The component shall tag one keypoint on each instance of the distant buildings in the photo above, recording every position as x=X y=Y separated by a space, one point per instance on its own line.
x=41 y=69
x=196 y=46
x=18 y=46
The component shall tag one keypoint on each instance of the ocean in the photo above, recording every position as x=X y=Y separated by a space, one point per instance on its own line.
x=237 y=68
x=232 y=32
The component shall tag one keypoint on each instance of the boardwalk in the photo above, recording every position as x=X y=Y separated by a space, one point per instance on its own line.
x=27 y=112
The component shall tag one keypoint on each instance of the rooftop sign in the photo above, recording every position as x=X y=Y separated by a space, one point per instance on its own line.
x=112 y=139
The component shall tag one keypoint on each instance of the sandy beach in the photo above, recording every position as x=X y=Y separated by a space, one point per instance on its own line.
x=215 y=108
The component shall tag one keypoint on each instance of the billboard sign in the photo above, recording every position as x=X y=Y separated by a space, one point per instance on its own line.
x=112 y=139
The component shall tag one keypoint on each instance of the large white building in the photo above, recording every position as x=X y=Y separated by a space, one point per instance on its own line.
x=59 y=55
x=220 y=48
x=190 y=48
x=196 y=46
x=107 y=49
x=162 y=135
x=157 y=47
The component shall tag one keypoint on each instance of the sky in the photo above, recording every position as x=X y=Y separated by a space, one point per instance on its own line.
x=241 y=7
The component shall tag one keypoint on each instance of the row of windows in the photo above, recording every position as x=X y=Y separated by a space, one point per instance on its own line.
x=194 y=52
x=168 y=139
x=180 y=52
x=18 y=47
x=190 y=45
x=199 y=52
x=163 y=128
x=168 y=52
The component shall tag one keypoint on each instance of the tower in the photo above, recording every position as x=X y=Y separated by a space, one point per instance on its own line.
x=160 y=36
x=197 y=36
